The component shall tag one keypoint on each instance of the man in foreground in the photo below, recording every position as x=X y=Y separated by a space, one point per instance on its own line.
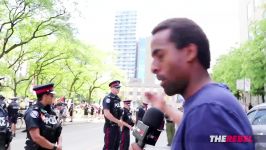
x=181 y=57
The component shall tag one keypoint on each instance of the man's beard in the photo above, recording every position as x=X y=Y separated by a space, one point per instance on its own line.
x=172 y=88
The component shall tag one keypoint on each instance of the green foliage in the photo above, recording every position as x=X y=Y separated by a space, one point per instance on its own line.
x=38 y=39
x=247 y=61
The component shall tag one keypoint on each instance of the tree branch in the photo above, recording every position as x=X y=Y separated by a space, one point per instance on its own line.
x=19 y=17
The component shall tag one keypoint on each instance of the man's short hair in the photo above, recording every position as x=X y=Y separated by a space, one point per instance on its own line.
x=185 y=31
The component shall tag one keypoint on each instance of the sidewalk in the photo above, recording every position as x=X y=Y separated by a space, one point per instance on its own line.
x=83 y=120
x=76 y=120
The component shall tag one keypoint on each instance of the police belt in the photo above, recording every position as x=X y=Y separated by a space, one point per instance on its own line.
x=110 y=123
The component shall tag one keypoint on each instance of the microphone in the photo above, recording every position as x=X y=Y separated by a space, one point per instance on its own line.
x=149 y=129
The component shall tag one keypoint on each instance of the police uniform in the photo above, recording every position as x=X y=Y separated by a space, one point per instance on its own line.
x=2 y=102
x=44 y=118
x=170 y=130
x=5 y=131
x=12 y=110
x=141 y=111
x=112 y=129
x=125 y=134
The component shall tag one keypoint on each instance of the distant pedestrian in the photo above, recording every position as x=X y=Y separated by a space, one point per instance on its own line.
x=92 y=111
x=71 y=110
x=86 y=109
x=12 y=110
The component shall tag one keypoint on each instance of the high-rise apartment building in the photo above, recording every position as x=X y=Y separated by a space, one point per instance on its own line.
x=125 y=41
x=249 y=11
x=144 y=61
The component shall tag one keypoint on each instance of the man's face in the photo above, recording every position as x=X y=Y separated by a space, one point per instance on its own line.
x=115 y=90
x=127 y=106
x=169 y=63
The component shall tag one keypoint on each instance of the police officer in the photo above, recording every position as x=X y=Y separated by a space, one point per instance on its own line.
x=112 y=115
x=2 y=102
x=12 y=110
x=125 y=134
x=170 y=130
x=5 y=132
x=141 y=111
x=43 y=129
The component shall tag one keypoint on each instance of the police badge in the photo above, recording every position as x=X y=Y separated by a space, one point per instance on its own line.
x=108 y=100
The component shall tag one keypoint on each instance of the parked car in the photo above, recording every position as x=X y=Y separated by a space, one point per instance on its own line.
x=257 y=118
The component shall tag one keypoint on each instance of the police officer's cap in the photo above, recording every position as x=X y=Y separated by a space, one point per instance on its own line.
x=145 y=103
x=127 y=102
x=115 y=84
x=42 y=89
x=14 y=98
x=2 y=97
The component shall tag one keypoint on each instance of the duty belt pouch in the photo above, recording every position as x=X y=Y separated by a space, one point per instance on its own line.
x=6 y=135
x=50 y=134
x=3 y=132
x=58 y=132
x=9 y=136
x=31 y=145
x=112 y=124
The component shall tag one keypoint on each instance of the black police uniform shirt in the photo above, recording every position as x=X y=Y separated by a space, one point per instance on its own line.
x=112 y=103
x=2 y=104
x=38 y=116
x=3 y=119
x=140 y=113
x=12 y=109
x=127 y=117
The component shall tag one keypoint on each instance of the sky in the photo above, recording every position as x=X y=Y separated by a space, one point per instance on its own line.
x=94 y=19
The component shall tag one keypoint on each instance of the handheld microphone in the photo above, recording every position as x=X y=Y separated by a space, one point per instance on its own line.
x=149 y=129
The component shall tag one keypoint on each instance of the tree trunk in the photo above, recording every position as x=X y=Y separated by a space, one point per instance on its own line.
x=90 y=94
x=71 y=87
x=15 y=90
x=27 y=88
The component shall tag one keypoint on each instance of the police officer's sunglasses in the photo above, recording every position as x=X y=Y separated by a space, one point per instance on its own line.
x=51 y=94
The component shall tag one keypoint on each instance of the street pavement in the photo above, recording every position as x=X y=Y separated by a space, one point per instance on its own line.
x=84 y=135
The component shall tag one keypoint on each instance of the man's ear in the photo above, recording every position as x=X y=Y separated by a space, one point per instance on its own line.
x=191 y=52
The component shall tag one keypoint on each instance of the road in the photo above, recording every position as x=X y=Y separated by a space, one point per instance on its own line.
x=81 y=136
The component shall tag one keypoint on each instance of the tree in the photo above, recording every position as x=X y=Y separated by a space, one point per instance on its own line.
x=255 y=62
x=228 y=68
x=36 y=35
x=22 y=21
x=35 y=62
x=247 y=61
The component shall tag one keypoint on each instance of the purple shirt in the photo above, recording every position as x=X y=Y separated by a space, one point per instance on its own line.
x=213 y=110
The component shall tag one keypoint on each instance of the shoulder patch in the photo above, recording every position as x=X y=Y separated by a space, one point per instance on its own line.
x=108 y=100
x=34 y=114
